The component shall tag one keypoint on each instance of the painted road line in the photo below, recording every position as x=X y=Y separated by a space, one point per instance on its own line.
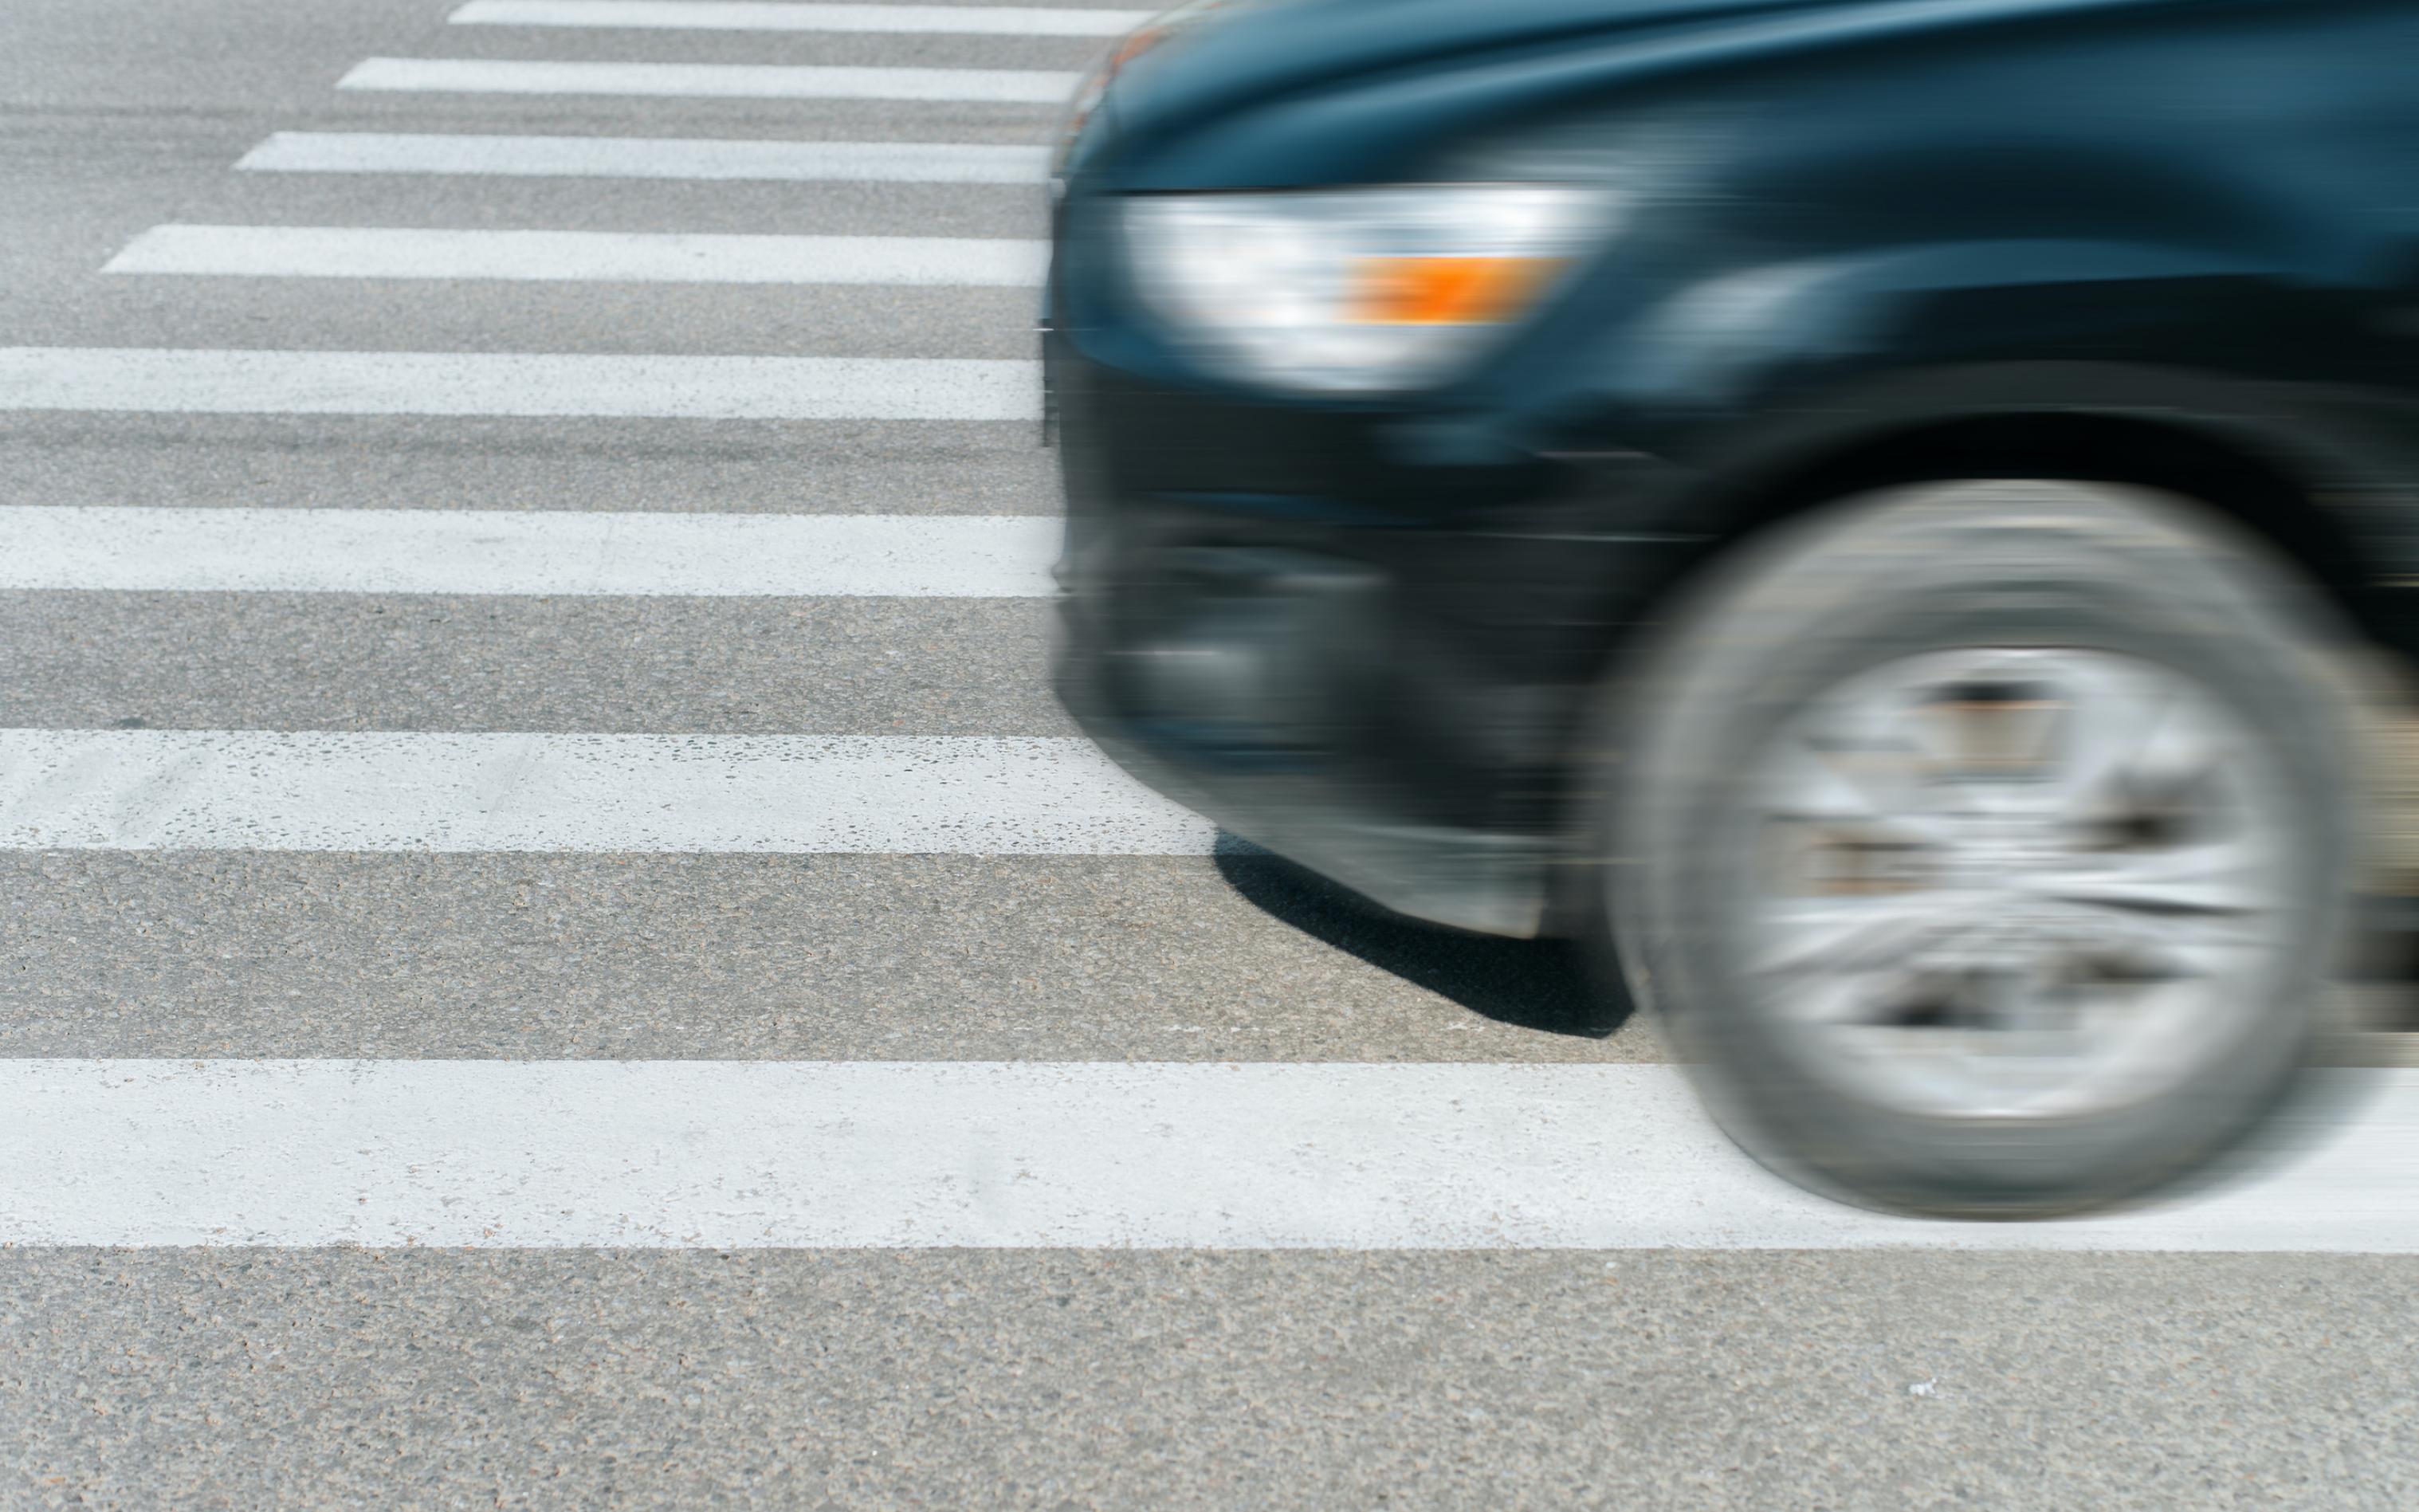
x=729 y=81
x=640 y=157
x=766 y=16
x=133 y=550
x=208 y=381
x=579 y=257
x=736 y=1155
x=146 y=790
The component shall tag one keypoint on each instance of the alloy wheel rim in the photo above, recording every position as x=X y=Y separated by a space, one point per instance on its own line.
x=2002 y=883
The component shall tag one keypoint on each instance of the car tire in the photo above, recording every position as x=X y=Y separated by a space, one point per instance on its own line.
x=1911 y=988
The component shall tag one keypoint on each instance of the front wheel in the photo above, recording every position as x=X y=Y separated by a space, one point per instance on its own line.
x=1987 y=844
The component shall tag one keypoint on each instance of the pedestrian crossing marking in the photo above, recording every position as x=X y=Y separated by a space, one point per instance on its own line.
x=569 y=257
x=624 y=156
x=772 y=16
x=543 y=384
x=253 y=790
x=129 y=548
x=727 y=80
x=985 y=1155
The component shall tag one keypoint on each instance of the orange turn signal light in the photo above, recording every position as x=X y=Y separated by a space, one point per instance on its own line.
x=1438 y=291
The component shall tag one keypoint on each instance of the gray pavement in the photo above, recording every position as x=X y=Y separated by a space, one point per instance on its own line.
x=250 y=1377
x=371 y=662
x=824 y=957
x=411 y=462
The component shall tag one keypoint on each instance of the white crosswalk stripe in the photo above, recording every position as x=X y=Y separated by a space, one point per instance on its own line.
x=130 y=549
x=149 y=790
x=622 y=156
x=707 y=81
x=572 y=257
x=773 y=15
x=731 y=1154
x=204 y=381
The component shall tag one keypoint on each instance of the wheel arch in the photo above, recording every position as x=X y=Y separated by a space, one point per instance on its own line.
x=2276 y=497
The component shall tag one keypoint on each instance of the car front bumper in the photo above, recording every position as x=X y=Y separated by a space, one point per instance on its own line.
x=1369 y=661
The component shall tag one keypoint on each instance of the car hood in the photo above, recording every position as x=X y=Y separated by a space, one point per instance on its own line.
x=1240 y=52
x=1267 y=47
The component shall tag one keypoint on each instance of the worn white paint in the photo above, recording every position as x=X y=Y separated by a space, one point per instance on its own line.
x=772 y=16
x=131 y=549
x=579 y=257
x=208 y=381
x=147 y=790
x=728 y=81
x=726 y=1154
x=644 y=156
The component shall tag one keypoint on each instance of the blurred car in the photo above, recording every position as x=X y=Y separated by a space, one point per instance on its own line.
x=1888 y=517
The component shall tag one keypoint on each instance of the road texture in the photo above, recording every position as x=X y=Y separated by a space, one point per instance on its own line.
x=248 y=1375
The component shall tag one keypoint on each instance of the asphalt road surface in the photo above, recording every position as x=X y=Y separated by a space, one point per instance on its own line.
x=554 y=948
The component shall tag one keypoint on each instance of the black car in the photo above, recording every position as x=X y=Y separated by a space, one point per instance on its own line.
x=1893 y=516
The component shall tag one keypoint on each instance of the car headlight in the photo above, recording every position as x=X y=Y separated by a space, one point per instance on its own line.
x=1355 y=290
